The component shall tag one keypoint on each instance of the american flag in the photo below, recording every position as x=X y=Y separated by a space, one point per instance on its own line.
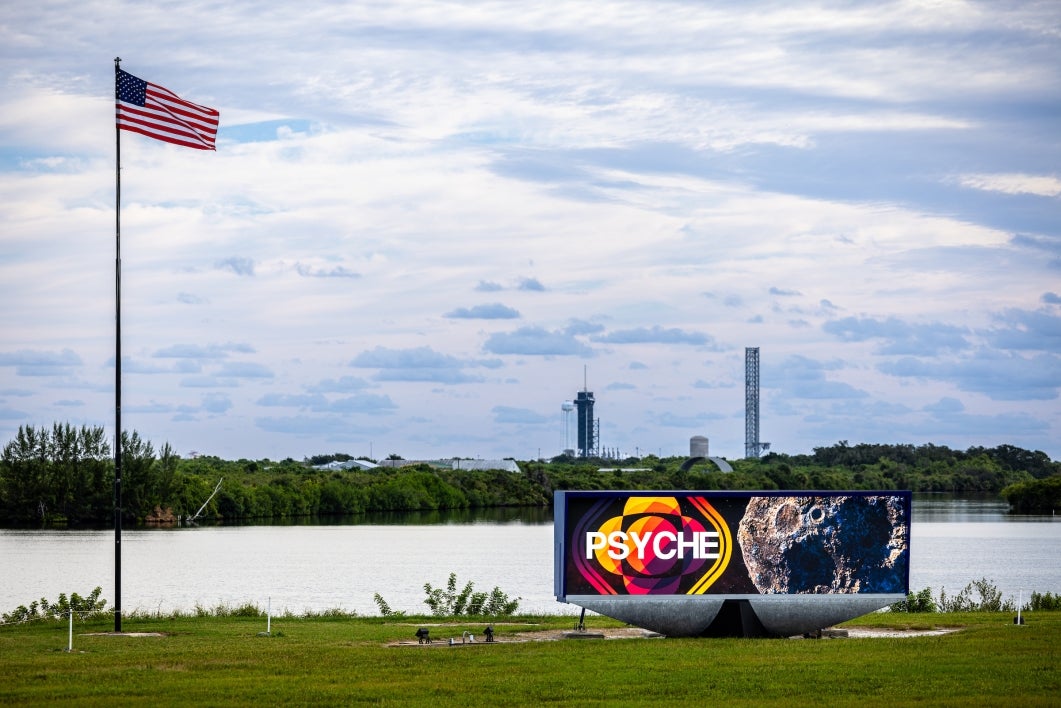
x=149 y=109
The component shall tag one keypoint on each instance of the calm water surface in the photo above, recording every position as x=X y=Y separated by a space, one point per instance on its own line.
x=299 y=568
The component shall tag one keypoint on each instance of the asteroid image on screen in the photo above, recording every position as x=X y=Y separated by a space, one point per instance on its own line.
x=732 y=543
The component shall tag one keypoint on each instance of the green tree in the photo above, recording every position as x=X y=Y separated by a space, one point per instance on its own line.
x=140 y=478
x=25 y=469
x=57 y=475
x=1037 y=496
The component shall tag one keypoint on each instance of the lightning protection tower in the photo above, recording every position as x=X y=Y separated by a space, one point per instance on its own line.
x=752 y=446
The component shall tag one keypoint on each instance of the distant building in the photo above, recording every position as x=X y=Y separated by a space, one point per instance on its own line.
x=347 y=465
x=504 y=465
x=457 y=464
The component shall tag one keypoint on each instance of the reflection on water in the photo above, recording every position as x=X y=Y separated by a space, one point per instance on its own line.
x=927 y=506
x=968 y=508
x=427 y=517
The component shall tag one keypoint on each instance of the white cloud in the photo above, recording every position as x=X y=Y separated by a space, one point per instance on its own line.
x=381 y=166
x=1038 y=185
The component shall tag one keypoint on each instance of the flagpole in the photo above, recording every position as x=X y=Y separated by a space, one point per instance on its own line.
x=117 y=364
x=158 y=113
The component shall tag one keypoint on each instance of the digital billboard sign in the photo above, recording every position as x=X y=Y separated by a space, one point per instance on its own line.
x=739 y=544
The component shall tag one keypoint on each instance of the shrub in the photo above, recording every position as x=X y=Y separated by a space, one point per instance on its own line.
x=247 y=609
x=989 y=600
x=385 y=609
x=916 y=602
x=1044 y=601
x=82 y=607
x=978 y=596
x=448 y=602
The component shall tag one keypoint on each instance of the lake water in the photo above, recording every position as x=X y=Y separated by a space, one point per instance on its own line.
x=316 y=568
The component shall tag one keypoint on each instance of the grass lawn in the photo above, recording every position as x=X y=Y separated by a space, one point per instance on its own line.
x=219 y=661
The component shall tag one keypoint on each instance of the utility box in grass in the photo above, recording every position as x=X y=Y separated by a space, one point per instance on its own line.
x=731 y=563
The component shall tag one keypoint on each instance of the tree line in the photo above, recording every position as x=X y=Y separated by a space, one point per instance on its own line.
x=65 y=475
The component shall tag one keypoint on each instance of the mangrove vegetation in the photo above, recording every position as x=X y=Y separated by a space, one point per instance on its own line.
x=64 y=475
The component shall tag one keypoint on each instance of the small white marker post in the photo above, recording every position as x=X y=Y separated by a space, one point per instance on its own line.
x=268 y=619
x=70 y=641
x=1020 y=601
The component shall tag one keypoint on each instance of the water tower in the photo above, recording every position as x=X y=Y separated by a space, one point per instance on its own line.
x=566 y=408
x=698 y=446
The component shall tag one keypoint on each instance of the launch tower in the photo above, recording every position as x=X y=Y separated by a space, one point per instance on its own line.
x=752 y=446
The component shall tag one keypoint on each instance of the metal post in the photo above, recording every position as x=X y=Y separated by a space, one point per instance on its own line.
x=117 y=363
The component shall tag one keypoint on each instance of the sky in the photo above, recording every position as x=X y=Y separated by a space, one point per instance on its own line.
x=427 y=225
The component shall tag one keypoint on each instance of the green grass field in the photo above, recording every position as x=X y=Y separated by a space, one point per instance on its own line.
x=219 y=661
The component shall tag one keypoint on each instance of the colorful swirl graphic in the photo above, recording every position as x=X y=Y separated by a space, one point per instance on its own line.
x=655 y=546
